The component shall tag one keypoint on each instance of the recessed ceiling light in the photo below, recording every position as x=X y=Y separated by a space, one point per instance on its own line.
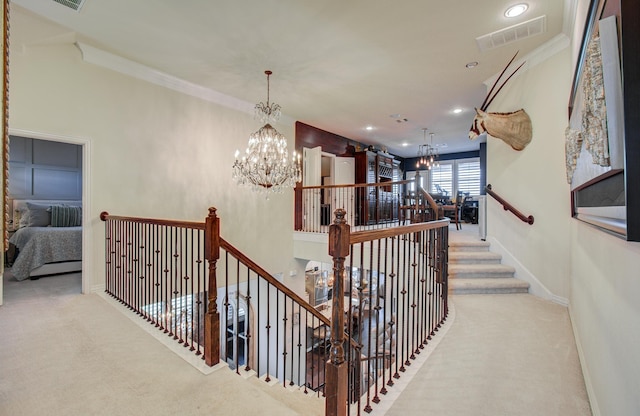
x=405 y=144
x=369 y=128
x=457 y=110
x=472 y=64
x=517 y=10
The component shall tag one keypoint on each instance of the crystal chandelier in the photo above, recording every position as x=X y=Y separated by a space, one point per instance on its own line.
x=427 y=153
x=266 y=166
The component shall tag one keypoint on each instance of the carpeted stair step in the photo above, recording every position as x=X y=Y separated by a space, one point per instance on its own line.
x=479 y=271
x=474 y=257
x=487 y=286
x=455 y=246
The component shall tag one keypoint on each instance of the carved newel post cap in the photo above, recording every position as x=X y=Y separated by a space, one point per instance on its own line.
x=340 y=214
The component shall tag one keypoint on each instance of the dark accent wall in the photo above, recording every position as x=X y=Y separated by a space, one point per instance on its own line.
x=310 y=137
x=410 y=163
x=42 y=169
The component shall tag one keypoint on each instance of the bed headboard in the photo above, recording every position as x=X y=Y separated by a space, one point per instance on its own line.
x=20 y=205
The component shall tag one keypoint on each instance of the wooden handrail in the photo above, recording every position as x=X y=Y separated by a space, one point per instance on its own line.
x=432 y=203
x=169 y=223
x=508 y=207
x=358 y=185
x=272 y=280
x=371 y=235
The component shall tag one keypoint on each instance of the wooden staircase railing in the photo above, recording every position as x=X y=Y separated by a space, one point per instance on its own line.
x=397 y=280
x=203 y=292
x=192 y=284
x=508 y=207
x=157 y=269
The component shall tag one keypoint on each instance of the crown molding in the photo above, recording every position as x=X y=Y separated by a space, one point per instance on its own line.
x=133 y=69
x=537 y=56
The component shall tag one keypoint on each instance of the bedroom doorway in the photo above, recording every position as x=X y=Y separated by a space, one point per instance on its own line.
x=37 y=167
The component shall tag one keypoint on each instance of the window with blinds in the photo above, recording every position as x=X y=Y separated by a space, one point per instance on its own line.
x=442 y=179
x=468 y=176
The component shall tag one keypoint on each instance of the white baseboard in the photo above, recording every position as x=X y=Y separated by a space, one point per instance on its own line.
x=595 y=409
x=535 y=286
x=99 y=288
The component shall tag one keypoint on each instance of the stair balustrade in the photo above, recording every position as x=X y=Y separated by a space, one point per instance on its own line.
x=199 y=289
x=389 y=297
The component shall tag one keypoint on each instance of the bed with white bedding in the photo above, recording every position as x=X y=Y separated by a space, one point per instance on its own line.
x=49 y=238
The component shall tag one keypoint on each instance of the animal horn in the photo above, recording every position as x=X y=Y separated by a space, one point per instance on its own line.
x=483 y=106
x=505 y=81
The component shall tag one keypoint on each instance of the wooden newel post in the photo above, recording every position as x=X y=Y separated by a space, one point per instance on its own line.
x=336 y=375
x=212 y=317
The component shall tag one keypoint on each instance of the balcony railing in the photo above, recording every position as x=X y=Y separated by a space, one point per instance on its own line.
x=367 y=206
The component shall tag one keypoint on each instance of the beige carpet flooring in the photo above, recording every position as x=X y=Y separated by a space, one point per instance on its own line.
x=67 y=354
x=63 y=353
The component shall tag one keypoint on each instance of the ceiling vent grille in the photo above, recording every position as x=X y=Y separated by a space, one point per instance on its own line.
x=512 y=33
x=72 y=4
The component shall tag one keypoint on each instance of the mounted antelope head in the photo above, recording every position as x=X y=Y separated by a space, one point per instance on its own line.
x=513 y=128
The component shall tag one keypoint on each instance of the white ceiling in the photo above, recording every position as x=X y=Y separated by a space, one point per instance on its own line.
x=339 y=65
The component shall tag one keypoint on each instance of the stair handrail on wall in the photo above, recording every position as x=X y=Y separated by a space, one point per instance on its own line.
x=508 y=207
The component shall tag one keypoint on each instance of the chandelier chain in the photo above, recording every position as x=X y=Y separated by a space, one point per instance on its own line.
x=427 y=154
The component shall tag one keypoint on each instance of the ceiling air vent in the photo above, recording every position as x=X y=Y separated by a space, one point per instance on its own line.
x=512 y=33
x=72 y=4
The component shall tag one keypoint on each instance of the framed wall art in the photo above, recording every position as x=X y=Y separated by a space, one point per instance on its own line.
x=602 y=145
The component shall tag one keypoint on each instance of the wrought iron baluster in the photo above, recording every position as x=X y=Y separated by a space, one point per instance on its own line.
x=247 y=325
x=268 y=328
x=236 y=325
x=299 y=344
x=414 y=278
x=396 y=308
x=199 y=297
x=157 y=274
x=284 y=342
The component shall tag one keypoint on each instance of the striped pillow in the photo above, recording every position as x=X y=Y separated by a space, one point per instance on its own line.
x=63 y=216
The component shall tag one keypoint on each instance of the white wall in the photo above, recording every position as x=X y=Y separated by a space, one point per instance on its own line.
x=605 y=311
x=533 y=180
x=596 y=272
x=154 y=152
